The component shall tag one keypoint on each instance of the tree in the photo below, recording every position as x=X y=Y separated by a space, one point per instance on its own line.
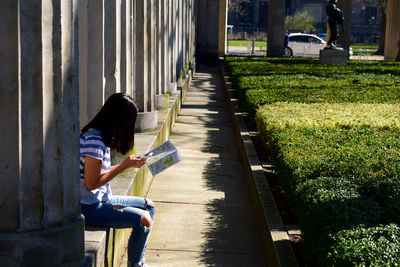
x=300 y=22
x=236 y=6
x=382 y=4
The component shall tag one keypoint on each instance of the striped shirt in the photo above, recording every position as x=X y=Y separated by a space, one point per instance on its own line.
x=92 y=145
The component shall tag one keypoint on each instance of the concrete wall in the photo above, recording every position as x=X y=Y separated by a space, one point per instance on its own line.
x=60 y=62
x=40 y=153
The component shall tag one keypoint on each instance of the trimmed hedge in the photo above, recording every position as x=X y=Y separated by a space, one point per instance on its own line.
x=358 y=153
x=363 y=165
x=284 y=115
x=361 y=246
x=262 y=82
x=333 y=132
x=326 y=206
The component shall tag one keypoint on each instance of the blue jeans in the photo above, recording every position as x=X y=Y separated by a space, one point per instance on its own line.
x=129 y=216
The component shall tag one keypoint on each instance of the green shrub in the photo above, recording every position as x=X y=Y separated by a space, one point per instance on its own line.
x=386 y=191
x=355 y=153
x=333 y=133
x=261 y=81
x=283 y=115
x=362 y=246
x=327 y=205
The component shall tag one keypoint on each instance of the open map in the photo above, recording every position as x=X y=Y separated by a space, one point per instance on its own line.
x=162 y=157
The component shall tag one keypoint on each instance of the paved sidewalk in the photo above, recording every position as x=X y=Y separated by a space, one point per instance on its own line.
x=204 y=215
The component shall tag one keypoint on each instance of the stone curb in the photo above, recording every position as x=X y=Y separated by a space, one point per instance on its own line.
x=277 y=245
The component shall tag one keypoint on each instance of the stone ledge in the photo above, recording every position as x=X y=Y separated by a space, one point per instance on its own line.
x=277 y=245
x=333 y=56
x=104 y=246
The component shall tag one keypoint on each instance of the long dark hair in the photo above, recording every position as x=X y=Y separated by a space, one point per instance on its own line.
x=116 y=122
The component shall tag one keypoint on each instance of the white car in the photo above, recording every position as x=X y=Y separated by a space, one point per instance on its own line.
x=306 y=45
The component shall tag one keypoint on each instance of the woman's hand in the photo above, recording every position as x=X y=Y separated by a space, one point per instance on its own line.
x=93 y=176
x=133 y=162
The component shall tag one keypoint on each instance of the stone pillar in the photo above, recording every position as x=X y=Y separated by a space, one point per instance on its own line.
x=144 y=69
x=172 y=47
x=207 y=34
x=276 y=21
x=179 y=39
x=193 y=29
x=91 y=59
x=158 y=40
x=126 y=47
x=112 y=45
x=40 y=157
x=162 y=99
x=223 y=18
x=392 y=41
x=134 y=49
x=187 y=30
x=187 y=23
x=164 y=46
x=184 y=34
x=10 y=112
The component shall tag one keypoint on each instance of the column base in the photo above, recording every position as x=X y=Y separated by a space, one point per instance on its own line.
x=173 y=88
x=162 y=101
x=333 y=56
x=146 y=121
x=58 y=246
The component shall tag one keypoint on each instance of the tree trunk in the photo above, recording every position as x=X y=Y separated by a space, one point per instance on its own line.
x=344 y=36
x=381 y=48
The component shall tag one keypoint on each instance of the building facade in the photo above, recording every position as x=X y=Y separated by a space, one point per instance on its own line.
x=252 y=17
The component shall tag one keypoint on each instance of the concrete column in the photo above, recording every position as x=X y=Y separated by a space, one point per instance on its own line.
x=164 y=46
x=162 y=99
x=82 y=60
x=392 y=41
x=276 y=21
x=126 y=47
x=172 y=47
x=152 y=51
x=91 y=58
x=112 y=45
x=10 y=112
x=187 y=32
x=41 y=174
x=158 y=41
x=178 y=38
x=144 y=69
x=182 y=38
x=223 y=18
x=184 y=32
x=207 y=34
x=134 y=49
x=193 y=15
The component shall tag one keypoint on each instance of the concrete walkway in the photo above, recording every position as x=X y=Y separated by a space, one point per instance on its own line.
x=204 y=214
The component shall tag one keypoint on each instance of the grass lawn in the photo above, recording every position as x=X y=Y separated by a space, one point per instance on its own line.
x=363 y=46
x=244 y=43
x=264 y=43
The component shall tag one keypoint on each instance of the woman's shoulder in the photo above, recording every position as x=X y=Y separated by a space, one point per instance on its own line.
x=92 y=136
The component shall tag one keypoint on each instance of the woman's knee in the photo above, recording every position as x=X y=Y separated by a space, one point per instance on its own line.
x=146 y=219
x=149 y=202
